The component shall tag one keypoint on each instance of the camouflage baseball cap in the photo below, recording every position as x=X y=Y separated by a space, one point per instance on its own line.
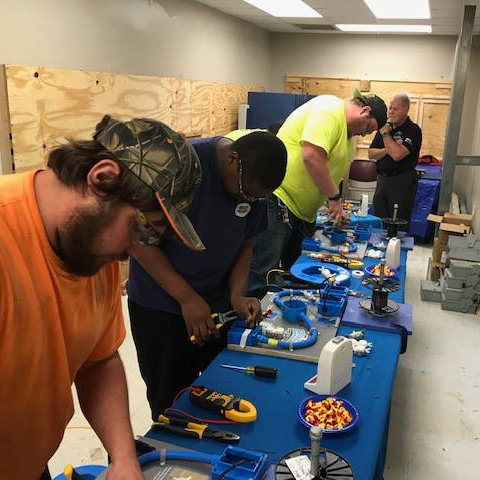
x=163 y=160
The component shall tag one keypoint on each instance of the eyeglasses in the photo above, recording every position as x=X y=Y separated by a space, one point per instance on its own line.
x=247 y=198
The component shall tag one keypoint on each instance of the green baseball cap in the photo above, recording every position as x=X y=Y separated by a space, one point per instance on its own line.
x=163 y=160
x=379 y=109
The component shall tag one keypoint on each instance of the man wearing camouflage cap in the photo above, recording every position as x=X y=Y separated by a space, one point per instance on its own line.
x=61 y=231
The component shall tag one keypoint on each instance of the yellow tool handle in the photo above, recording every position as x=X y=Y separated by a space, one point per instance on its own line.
x=218 y=326
x=355 y=264
x=247 y=413
x=68 y=472
x=197 y=427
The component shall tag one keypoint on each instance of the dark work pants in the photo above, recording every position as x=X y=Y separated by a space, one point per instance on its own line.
x=400 y=189
x=280 y=242
x=168 y=361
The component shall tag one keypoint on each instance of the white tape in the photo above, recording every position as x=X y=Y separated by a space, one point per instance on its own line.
x=357 y=274
x=245 y=334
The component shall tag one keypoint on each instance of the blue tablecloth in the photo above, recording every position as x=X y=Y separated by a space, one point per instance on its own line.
x=277 y=429
x=426 y=201
x=431 y=172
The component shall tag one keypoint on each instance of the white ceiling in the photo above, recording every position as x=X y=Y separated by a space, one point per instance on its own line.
x=446 y=15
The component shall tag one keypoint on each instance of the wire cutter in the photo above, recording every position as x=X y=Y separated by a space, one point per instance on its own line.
x=185 y=428
x=220 y=319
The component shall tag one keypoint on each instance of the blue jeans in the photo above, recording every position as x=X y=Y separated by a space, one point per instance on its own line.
x=280 y=242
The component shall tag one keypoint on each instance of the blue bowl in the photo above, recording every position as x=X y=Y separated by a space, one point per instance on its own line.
x=369 y=271
x=318 y=398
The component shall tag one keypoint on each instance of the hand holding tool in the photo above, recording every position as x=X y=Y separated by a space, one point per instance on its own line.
x=220 y=319
x=258 y=370
x=185 y=428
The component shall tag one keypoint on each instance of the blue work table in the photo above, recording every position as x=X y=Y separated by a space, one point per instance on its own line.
x=278 y=430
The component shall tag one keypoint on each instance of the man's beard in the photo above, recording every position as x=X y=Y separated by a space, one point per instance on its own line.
x=78 y=235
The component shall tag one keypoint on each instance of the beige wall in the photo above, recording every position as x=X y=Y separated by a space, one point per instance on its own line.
x=156 y=37
x=382 y=57
x=151 y=37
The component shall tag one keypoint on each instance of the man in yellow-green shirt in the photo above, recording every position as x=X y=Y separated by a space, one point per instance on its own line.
x=318 y=137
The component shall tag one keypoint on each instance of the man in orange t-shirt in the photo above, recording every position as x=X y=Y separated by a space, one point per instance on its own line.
x=61 y=231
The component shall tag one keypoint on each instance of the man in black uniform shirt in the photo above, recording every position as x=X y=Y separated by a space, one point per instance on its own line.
x=396 y=148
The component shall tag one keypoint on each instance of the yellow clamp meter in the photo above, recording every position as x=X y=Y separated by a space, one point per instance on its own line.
x=231 y=407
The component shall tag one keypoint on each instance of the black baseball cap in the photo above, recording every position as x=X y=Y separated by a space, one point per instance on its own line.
x=379 y=109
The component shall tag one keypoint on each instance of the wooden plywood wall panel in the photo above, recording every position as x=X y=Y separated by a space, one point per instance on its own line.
x=343 y=88
x=47 y=105
x=294 y=84
x=331 y=86
x=6 y=156
x=433 y=118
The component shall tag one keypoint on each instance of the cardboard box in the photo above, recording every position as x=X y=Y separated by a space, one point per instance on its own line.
x=451 y=223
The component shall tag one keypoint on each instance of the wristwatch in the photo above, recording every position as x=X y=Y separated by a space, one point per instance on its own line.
x=384 y=134
x=336 y=197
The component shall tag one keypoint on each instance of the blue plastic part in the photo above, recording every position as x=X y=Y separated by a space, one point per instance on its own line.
x=310 y=272
x=336 y=235
x=291 y=308
x=236 y=332
x=233 y=464
x=251 y=465
x=88 y=472
x=363 y=232
x=333 y=306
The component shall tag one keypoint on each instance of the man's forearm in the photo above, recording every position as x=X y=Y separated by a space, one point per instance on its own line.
x=103 y=396
x=376 y=153
x=396 y=151
x=316 y=163
x=154 y=261
x=239 y=270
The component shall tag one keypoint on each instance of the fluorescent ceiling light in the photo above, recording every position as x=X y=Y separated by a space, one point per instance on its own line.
x=385 y=28
x=285 y=8
x=408 y=9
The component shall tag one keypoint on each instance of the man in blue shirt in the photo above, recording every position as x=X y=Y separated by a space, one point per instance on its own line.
x=173 y=290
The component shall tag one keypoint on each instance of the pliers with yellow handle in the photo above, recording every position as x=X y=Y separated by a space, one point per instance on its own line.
x=185 y=428
x=220 y=319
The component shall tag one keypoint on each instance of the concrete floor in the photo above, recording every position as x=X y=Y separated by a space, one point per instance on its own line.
x=435 y=416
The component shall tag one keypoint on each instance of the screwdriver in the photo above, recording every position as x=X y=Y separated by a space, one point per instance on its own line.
x=258 y=371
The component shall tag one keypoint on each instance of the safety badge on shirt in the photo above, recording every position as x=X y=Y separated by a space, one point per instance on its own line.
x=242 y=209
